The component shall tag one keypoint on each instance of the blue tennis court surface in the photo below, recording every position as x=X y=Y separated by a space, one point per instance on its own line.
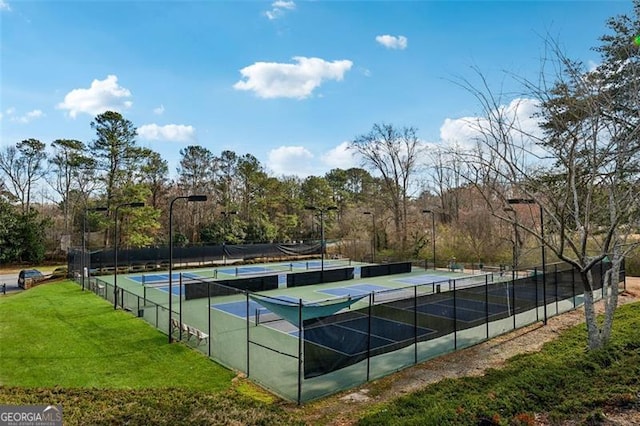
x=422 y=279
x=239 y=308
x=528 y=293
x=384 y=332
x=354 y=290
x=158 y=278
x=465 y=310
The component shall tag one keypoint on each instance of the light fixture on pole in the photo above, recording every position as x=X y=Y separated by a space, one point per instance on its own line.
x=322 y=210
x=189 y=198
x=115 y=249
x=544 y=265
x=373 y=240
x=86 y=266
x=433 y=234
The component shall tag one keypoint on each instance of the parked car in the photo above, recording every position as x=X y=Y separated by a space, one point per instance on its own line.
x=27 y=277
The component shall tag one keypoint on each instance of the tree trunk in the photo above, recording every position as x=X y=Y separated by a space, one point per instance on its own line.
x=610 y=286
x=593 y=332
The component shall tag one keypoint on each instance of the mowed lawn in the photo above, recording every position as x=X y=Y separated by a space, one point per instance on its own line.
x=57 y=335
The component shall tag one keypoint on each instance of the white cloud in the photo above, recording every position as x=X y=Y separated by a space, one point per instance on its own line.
x=291 y=160
x=103 y=95
x=5 y=6
x=278 y=9
x=392 y=42
x=277 y=80
x=169 y=132
x=10 y=111
x=159 y=110
x=465 y=131
x=28 y=117
x=460 y=131
x=340 y=157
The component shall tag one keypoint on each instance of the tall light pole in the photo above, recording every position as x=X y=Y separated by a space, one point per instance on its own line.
x=373 y=240
x=544 y=265
x=514 y=246
x=115 y=250
x=433 y=234
x=188 y=198
x=322 y=210
x=86 y=270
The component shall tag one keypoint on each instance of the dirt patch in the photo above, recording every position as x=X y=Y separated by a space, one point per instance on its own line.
x=345 y=408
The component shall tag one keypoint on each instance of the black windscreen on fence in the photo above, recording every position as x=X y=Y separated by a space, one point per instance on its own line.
x=197 y=289
x=201 y=254
x=385 y=269
x=525 y=292
x=318 y=277
x=329 y=347
x=566 y=284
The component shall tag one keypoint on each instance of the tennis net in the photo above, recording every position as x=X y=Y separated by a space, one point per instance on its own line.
x=262 y=270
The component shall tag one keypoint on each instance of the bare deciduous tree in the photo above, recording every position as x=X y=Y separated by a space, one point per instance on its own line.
x=23 y=166
x=394 y=154
x=580 y=166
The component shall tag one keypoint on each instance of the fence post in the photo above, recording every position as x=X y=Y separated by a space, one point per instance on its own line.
x=455 y=317
x=369 y=335
x=535 y=276
x=573 y=285
x=209 y=316
x=513 y=299
x=300 y=333
x=486 y=302
x=248 y=362
x=415 y=324
x=555 y=279
x=179 y=305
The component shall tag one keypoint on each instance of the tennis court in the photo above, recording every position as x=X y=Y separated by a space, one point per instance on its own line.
x=462 y=309
x=350 y=337
x=254 y=310
x=355 y=290
x=306 y=340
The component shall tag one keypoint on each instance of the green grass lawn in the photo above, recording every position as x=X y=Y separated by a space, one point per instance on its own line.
x=57 y=335
x=60 y=345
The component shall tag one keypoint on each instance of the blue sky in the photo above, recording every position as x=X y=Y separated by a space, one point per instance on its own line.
x=290 y=82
